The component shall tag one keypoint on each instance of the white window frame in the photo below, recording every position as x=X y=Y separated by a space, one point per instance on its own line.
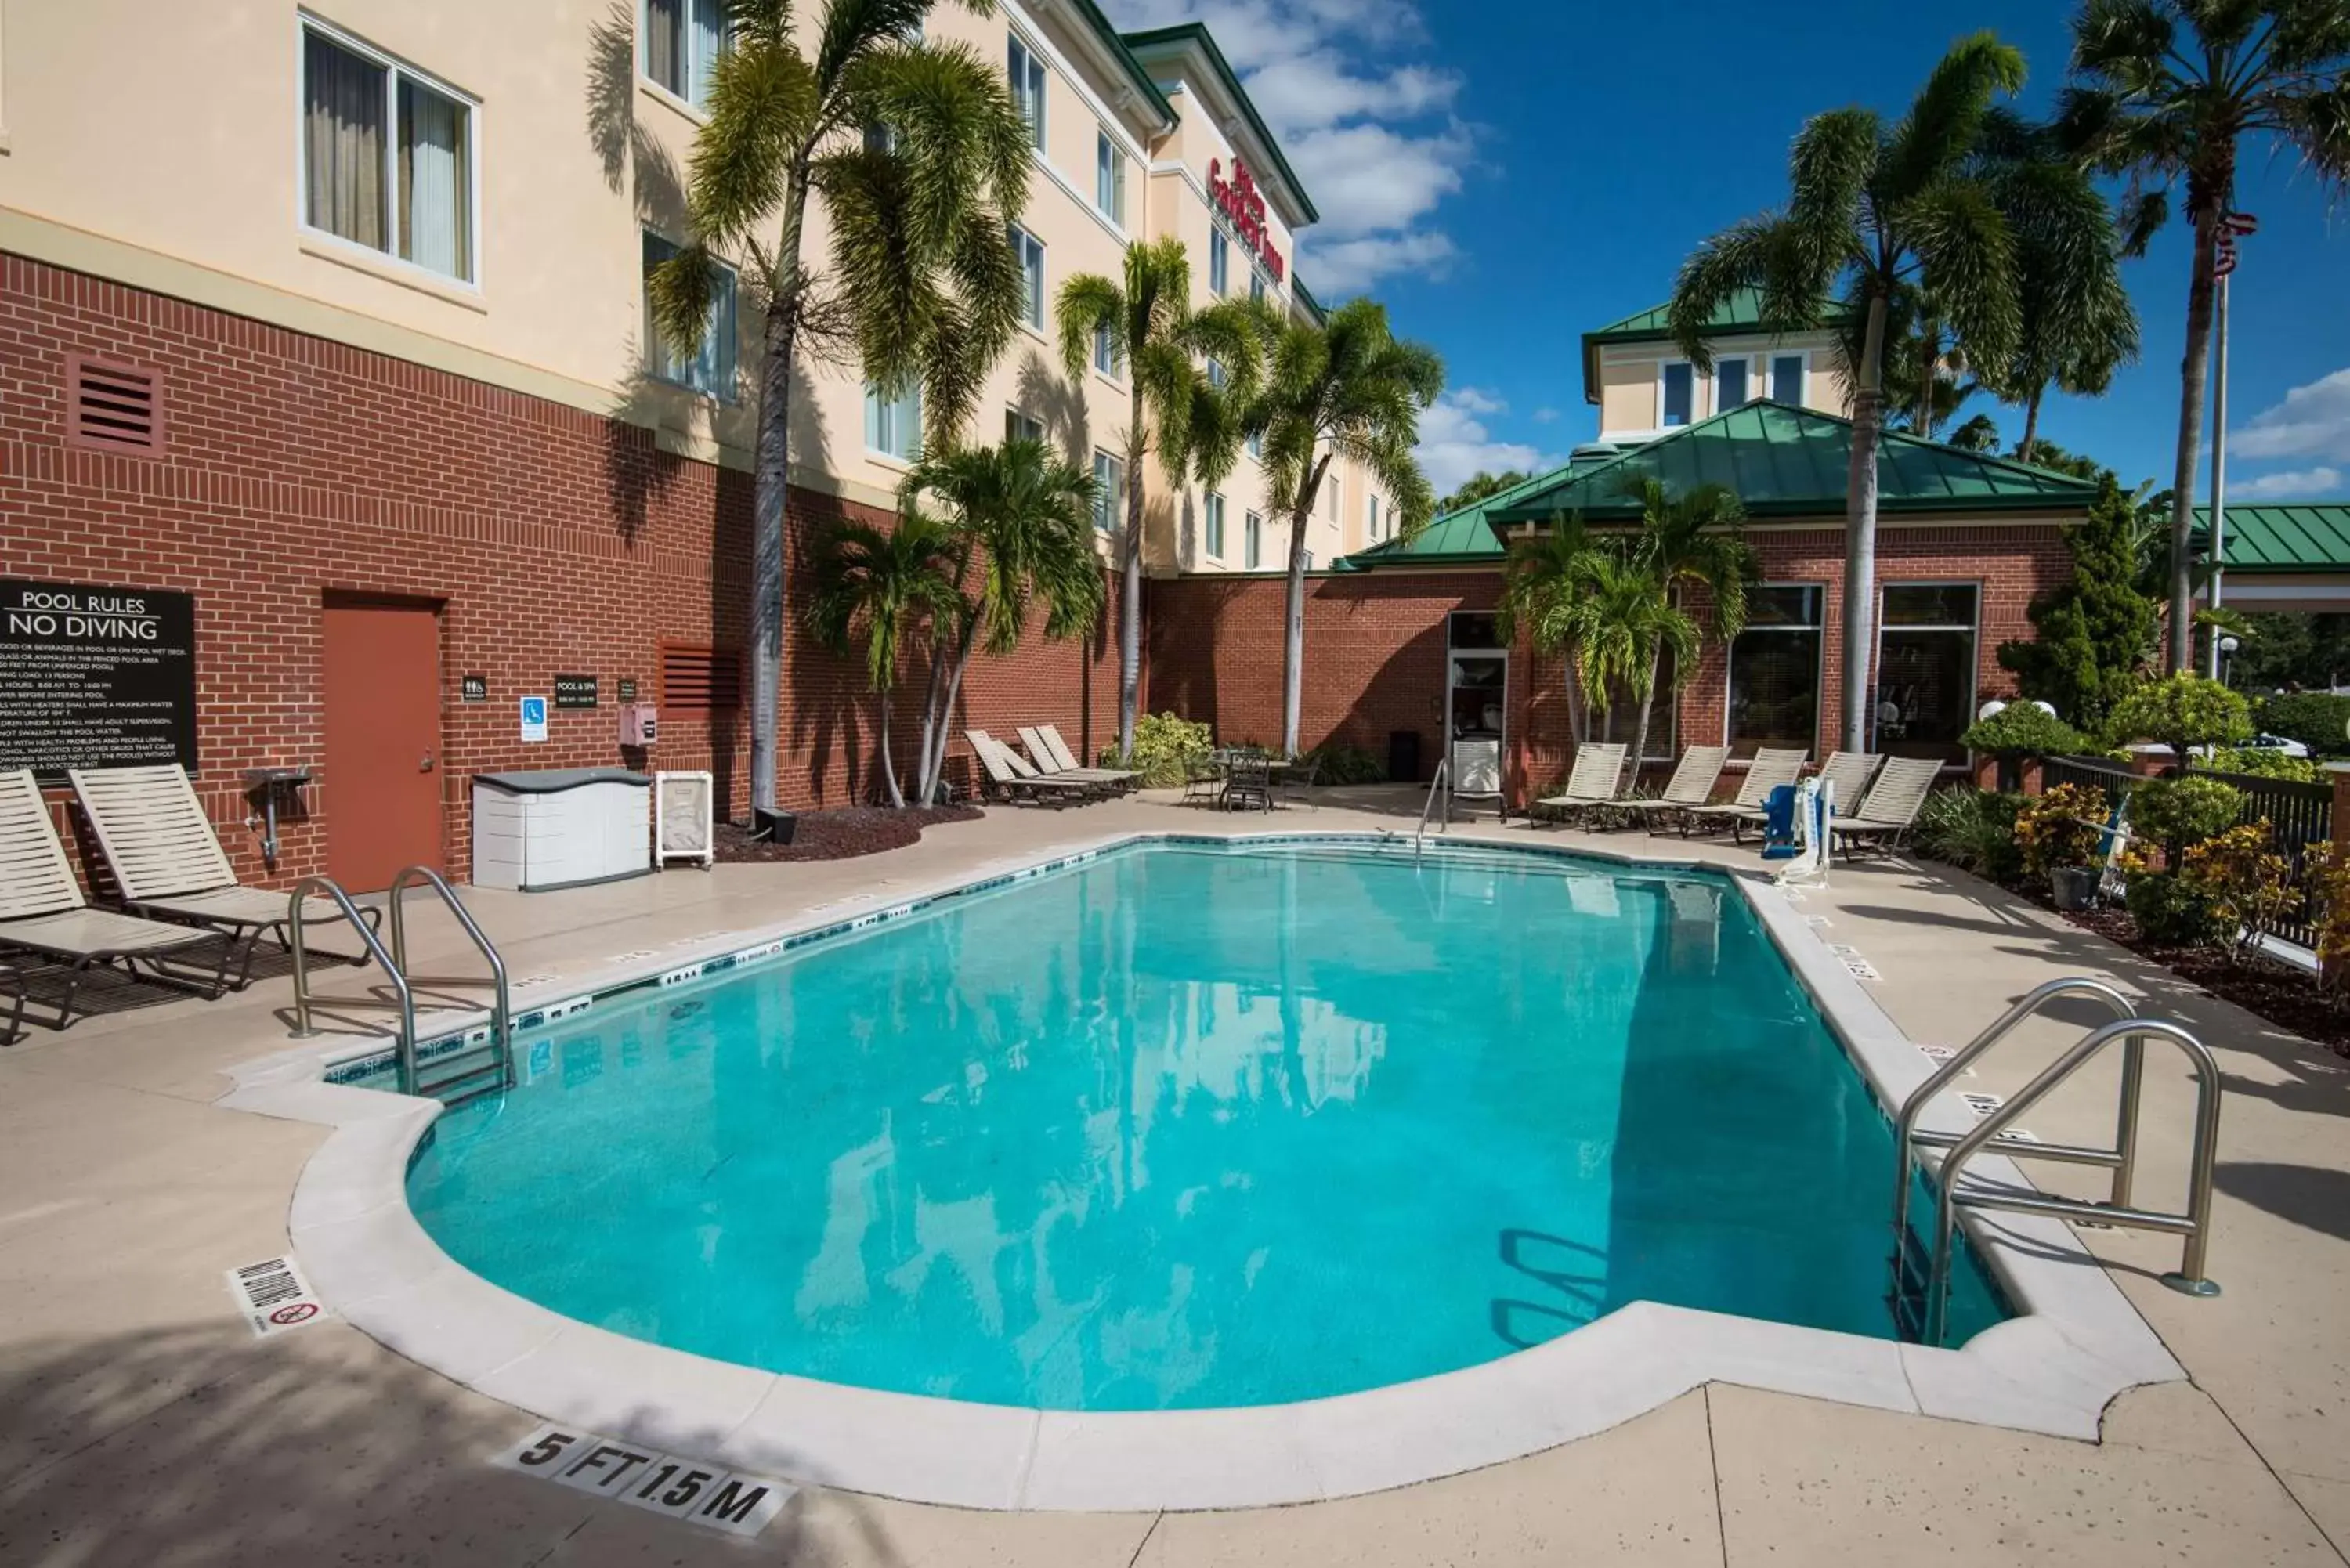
x=1721 y=405
x=1974 y=662
x=1664 y=418
x=1109 y=166
x=1220 y=261
x=1019 y=424
x=683 y=101
x=1211 y=525
x=305 y=24
x=1803 y=376
x=732 y=370
x=914 y=447
x=1819 y=666
x=1252 y=543
x=1109 y=495
x=1042 y=75
x=1022 y=240
x=1106 y=360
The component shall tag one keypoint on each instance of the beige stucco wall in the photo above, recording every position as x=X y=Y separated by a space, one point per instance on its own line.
x=1629 y=375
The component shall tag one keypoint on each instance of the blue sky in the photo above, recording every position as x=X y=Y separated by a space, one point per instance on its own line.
x=1507 y=176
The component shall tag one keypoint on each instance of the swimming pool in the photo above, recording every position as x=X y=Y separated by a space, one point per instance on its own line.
x=1192 y=1126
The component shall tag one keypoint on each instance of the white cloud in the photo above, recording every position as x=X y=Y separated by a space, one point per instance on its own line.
x=1455 y=444
x=2313 y=421
x=1478 y=401
x=1369 y=131
x=1545 y=416
x=2291 y=484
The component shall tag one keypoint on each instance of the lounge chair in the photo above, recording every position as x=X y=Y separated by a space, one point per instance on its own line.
x=1015 y=783
x=1766 y=771
x=1598 y=769
x=1847 y=771
x=1050 y=735
x=167 y=860
x=1884 y=819
x=44 y=914
x=1692 y=783
x=1050 y=763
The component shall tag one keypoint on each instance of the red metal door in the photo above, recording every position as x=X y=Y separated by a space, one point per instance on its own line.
x=382 y=785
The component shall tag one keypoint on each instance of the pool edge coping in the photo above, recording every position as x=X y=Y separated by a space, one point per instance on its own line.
x=2077 y=1344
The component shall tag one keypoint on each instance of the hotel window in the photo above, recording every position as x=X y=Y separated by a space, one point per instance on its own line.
x=1220 y=261
x=1105 y=350
x=1924 y=669
x=1371 y=532
x=1109 y=179
x=1677 y=396
x=1257 y=285
x=893 y=423
x=1256 y=445
x=710 y=371
x=1623 y=716
x=1216 y=376
x=387 y=157
x=1110 y=491
x=1774 y=670
x=1787 y=379
x=1018 y=426
x=1729 y=378
x=682 y=42
x=1213 y=508
x=1027 y=73
x=1030 y=250
x=1251 y=542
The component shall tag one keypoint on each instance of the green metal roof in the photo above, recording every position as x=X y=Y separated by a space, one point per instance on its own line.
x=1197 y=32
x=2301 y=537
x=1461 y=537
x=1787 y=462
x=1742 y=312
x=1124 y=57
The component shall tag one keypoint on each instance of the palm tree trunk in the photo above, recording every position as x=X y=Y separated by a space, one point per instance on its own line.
x=949 y=692
x=2193 y=373
x=1292 y=641
x=1861 y=528
x=2030 y=423
x=1640 y=730
x=888 y=763
x=928 y=751
x=1129 y=620
x=770 y=494
x=1930 y=351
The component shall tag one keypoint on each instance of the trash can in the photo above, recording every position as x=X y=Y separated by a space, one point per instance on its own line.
x=1403 y=756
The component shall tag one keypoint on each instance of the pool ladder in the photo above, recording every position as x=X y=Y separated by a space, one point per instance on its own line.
x=1921 y=1265
x=456 y=1077
x=1441 y=785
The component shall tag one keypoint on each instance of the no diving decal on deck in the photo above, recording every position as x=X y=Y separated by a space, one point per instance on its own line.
x=273 y=1296
x=660 y=1483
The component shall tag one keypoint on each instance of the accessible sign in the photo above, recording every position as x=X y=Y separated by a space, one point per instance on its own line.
x=96 y=677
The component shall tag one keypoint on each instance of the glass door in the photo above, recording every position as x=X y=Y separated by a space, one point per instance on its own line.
x=1476 y=703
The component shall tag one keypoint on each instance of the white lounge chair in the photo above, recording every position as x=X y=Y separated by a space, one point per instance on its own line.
x=1692 y=783
x=1015 y=782
x=1049 y=763
x=1847 y=771
x=43 y=913
x=1598 y=768
x=1884 y=819
x=1766 y=771
x=1050 y=735
x=168 y=864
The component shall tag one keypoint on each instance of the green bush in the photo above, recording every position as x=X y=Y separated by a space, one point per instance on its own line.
x=2025 y=730
x=1342 y=764
x=1974 y=830
x=1166 y=749
x=2183 y=712
x=2316 y=718
x=2169 y=913
x=2182 y=811
x=2263 y=762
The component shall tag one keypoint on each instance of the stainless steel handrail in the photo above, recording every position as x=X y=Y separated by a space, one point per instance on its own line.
x=501 y=1009
x=1442 y=781
x=2195 y=1225
x=1906 y=1137
x=406 y=1000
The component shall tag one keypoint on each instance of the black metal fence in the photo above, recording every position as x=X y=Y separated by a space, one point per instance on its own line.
x=2299 y=814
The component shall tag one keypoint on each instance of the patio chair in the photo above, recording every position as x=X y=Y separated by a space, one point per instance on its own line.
x=1884 y=819
x=1248 y=782
x=168 y=864
x=1769 y=768
x=12 y=985
x=1203 y=780
x=44 y=914
x=1049 y=765
x=1598 y=769
x=1050 y=735
x=1847 y=773
x=1011 y=779
x=1692 y=783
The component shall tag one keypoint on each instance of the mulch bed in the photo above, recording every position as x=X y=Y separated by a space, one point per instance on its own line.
x=841 y=834
x=2285 y=996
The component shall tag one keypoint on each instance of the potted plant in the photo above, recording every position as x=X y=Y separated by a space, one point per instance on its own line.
x=2058 y=832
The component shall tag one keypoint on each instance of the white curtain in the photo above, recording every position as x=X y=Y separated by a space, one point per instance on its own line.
x=342 y=129
x=435 y=169
x=709 y=23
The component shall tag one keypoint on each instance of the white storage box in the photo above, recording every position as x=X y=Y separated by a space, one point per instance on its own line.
x=561 y=827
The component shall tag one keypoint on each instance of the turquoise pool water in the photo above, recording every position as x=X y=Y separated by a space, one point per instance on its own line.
x=1192 y=1127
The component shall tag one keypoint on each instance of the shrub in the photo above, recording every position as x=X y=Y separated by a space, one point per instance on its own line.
x=2094 y=629
x=2178 y=812
x=1343 y=764
x=1166 y=749
x=2264 y=762
x=2325 y=871
x=2025 y=730
x=2059 y=827
x=2171 y=913
x=2183 y=712
x=2247 y=881
x=1974 y=830
x=2316 y=718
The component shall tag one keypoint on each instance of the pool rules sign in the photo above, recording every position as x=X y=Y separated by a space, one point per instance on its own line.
x=96 y=677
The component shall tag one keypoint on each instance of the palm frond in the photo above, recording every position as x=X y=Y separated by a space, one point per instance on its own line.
x=1946 y=121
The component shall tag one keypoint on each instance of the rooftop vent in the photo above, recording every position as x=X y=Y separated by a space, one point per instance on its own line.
x=113 y=408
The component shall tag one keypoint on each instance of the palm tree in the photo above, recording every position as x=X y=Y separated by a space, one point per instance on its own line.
x=1543 y=595
x=1694 y=541
x=891 y=587
x=1874 y=209
x=1345 y=387
x=922 y=285
x=1480 y=486
x=2167 y=90
x=1021 y=524
x=1145 y=322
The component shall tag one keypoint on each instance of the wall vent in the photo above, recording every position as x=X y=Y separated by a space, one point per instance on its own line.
x=697 y=679
x=113 y=408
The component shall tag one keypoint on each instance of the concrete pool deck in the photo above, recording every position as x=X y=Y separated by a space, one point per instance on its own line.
x=139 y=1422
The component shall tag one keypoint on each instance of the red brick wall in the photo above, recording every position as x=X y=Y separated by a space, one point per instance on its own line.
x=549 y=538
